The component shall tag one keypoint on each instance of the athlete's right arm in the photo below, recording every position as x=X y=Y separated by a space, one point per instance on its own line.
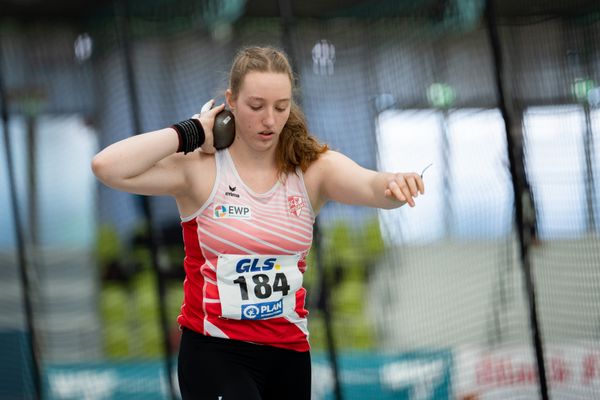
x=143 y=164
x=148 y=163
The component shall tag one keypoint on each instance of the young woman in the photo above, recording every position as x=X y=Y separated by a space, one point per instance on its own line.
x=247 y=214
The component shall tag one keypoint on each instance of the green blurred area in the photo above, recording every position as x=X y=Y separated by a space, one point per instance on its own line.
x=348 y=255
x=129 y=300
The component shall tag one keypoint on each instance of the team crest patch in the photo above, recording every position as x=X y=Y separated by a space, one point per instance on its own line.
x=295 y=205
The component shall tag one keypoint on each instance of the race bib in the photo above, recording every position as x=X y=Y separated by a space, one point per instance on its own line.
x=258 y=287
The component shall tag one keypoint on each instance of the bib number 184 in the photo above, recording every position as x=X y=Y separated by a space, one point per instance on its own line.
x=262 y=287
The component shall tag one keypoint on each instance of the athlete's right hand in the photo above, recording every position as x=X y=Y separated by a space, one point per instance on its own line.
x=207 y=119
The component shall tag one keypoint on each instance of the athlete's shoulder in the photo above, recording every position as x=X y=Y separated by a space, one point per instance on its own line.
x=317 y=173
x=325 y=163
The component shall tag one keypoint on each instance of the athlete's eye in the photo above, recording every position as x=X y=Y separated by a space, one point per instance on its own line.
x=255 y=108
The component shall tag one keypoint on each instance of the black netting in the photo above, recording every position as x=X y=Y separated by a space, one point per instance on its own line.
x=428 y=302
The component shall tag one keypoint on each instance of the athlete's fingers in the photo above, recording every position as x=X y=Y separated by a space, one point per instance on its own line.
x=406 y=192
x=420 y=183
x=207 y=119
x=207 y=106
x=400 y=192
x=207 y=114
x=214 y=111
x=394 y=190
x=412 y=184
x=415 y=181
x=405 y=187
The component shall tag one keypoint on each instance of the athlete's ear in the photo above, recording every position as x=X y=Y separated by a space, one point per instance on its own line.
x=229 y=99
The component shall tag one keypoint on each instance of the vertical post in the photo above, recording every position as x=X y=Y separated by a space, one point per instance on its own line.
x=285 y=13
x=32 y=192
x=521 y=196
x=122 y=14
x=589 y=44
x=324 y=304
x=446 y=158
x=22 y=258
x=440 y=73
x=588 y=146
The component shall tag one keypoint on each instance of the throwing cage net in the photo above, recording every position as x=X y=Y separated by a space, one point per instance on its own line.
x=468 y=295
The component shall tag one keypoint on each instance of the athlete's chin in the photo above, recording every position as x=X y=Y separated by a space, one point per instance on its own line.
x=266 y=147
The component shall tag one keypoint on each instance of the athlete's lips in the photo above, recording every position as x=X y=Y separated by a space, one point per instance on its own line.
x=266 y=133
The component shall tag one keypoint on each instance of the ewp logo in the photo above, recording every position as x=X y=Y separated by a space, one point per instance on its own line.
x=232 y=211
x=220 y=211
x=262 y=310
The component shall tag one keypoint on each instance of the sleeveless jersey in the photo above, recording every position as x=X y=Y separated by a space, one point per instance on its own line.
x=244 y=260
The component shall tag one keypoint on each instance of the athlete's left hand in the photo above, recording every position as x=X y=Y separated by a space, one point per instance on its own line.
x=405 y=187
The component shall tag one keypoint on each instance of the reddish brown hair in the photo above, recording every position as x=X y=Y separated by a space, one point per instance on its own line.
x=296 y=147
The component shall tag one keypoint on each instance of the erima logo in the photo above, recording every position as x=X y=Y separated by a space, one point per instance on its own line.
x=232 y=211
x=231 y=190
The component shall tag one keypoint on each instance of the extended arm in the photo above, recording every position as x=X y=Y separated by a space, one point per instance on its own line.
x=341 y=179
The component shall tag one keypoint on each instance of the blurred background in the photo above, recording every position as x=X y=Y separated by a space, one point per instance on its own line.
x=469 y=295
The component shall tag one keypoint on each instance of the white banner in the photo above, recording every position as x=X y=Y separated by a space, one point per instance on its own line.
x=572 y=371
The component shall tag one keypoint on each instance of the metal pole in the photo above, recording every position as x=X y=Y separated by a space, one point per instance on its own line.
x=589 y=43
x=588 y=146
x=324 y=304
x=122 y=14
x=521 y=196
x=446 y=157
x=21 y=252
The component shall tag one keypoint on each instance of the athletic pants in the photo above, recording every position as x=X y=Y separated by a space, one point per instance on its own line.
x=211 y=368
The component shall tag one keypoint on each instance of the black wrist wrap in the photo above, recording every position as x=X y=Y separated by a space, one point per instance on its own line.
x=191 y=135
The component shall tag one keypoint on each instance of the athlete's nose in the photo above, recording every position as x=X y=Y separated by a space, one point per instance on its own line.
x=269 y=119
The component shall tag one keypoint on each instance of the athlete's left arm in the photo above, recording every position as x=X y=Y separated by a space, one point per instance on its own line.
x=343 y=180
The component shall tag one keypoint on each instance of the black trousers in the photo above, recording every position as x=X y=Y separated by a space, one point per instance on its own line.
x=222 y=369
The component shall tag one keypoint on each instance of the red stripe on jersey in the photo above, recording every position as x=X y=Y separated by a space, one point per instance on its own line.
x=192 y=310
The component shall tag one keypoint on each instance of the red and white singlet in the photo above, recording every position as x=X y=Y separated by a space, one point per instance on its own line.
x=244 y=260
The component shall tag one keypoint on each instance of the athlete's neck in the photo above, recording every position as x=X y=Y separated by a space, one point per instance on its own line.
x=249 y=159
x=257 y=170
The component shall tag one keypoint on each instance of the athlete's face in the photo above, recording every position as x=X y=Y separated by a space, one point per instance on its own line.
x=261 y=108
